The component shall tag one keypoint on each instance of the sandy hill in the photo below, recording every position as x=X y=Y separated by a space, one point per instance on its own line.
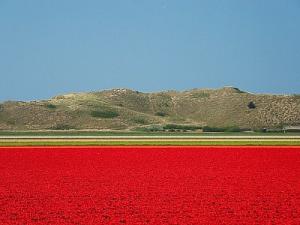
x=127 y=109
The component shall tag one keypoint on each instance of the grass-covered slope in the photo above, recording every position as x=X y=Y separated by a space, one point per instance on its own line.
x=123 y=109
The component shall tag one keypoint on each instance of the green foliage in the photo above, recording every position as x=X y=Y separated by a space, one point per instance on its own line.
x=222 y=129
x=251 y=105
x=238 y=90
x=174 y=127
x=293 y=131
x=104 y=114
x=1 y=108
x=236 y=142
x=51 y=106
x=160 y=114
x=152 y=128
x=213 y=129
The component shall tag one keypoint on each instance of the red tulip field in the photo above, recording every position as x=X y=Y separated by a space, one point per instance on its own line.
x=150 y=185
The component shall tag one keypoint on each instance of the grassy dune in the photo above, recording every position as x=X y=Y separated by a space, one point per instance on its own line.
x=122 y=109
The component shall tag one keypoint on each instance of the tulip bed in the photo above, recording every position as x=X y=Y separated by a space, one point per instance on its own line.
x=149 y=185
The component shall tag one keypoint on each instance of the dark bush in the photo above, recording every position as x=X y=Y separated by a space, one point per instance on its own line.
x=222 y=129
x=152 y=128
x=213 y=129
x=181 y=127
x=251 y=105
x=238 y=90
x=51 y=106
x=104 y=114
x=160 y=114
x=63 y=127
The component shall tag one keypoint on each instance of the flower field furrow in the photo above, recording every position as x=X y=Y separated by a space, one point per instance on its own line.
x=150 y=185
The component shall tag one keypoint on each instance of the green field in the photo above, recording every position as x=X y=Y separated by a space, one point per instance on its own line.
x=130 y=138
x=221 y=142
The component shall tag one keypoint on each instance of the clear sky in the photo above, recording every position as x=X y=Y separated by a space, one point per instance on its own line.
x=49 y=47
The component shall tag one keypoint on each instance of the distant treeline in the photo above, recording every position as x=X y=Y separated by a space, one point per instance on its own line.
x=181 y=127
x=223 y=129
x=188 y=127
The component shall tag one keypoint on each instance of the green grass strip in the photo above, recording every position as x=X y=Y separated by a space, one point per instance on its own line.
x=155 y=143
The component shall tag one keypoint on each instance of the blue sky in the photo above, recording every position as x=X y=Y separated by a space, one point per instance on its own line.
x=49 y=47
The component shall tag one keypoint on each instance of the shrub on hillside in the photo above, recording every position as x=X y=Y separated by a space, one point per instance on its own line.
x=160 y=114
x=152 y=128
x=251 y=105
x=174 y=127
x=51 y=106
x=238 y=90
x=223 y=129
x=213 y=129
